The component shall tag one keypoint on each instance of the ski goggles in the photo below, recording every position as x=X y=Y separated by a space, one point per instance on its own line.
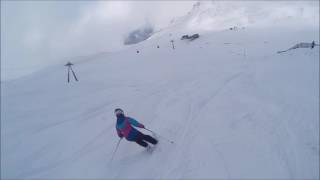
x=118 y=112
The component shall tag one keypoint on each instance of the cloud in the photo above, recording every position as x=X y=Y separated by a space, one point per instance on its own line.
x=35 y=34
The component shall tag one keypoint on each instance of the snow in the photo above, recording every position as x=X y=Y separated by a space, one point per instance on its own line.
x=233 y=107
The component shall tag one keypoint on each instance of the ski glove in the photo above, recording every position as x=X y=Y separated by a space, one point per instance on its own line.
x=119 y=134
x=141 y=126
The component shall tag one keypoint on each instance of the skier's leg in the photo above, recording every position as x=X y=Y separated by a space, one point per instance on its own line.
x=139 y=140
x=150 y=139
x=142 y=143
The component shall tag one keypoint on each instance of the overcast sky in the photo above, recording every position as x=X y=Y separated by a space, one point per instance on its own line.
x=35 y=33
x=38 y=33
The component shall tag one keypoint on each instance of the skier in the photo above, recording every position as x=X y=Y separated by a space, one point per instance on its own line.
x=125 y=129
x=312 y=44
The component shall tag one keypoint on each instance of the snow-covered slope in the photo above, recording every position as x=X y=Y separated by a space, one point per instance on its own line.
x=232 y=105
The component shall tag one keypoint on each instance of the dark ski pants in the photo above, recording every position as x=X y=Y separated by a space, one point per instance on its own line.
x=142 y=139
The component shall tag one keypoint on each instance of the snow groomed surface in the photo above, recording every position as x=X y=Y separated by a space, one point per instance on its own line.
x=232 y=105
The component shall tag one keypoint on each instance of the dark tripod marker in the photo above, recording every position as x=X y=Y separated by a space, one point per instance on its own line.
x=69 y=64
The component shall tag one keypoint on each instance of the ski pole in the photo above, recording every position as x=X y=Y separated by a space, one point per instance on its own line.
x=115 y=150
x=160 y=136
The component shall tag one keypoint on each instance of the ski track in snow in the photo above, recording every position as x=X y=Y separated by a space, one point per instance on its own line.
x=230 y=114
x=87 y=148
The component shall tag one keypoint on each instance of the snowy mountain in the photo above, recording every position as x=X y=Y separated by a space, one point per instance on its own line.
x=219 y=15
x=233 y=106
x=139 y=35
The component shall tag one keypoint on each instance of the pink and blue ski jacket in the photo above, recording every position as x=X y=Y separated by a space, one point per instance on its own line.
x=125 y=128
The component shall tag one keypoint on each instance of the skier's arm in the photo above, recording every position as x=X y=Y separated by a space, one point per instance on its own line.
x=135 y=123
x=119 y=133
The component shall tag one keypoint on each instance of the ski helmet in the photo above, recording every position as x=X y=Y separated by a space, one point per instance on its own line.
x=118 y=111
